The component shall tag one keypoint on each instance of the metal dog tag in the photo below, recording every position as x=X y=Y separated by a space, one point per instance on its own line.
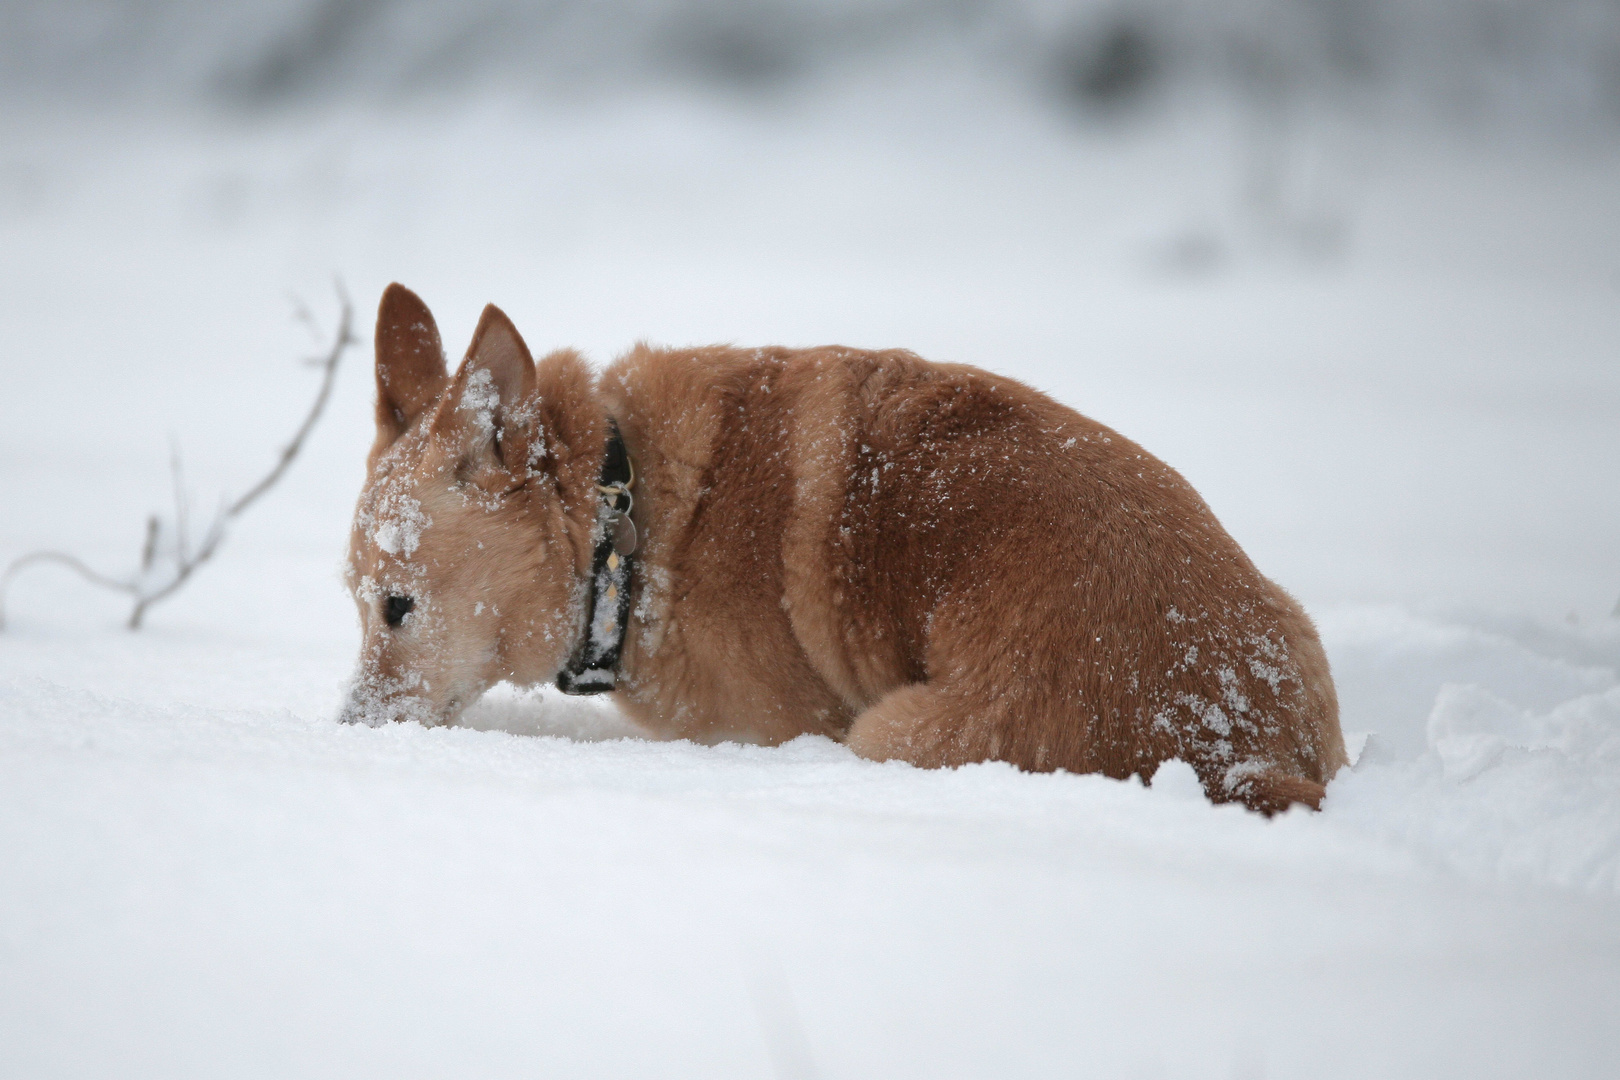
x=624 y=534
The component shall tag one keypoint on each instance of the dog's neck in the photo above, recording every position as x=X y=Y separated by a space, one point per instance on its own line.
x=594 y=666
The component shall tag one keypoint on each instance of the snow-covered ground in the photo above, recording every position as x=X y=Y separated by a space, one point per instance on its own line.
x=1395 y=378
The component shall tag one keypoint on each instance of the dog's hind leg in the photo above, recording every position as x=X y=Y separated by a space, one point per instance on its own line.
x=929 y=726
x=942 y=726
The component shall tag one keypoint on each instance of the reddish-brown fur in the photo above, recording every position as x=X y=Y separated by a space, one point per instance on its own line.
x=928 y=561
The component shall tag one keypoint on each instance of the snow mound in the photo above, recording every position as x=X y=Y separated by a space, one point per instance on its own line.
x=1473 y=730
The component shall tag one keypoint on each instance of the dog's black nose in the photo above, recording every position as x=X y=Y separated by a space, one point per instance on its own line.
x=395 y=608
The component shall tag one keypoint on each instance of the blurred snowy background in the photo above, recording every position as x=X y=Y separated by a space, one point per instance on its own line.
x=1353 y=266
x=1470 y=56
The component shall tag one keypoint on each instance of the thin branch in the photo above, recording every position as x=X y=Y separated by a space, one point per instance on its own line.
x=72 y=563
x=329 y=364
x=149 y=549
x=183 y=570
x=145 y=600
x=183 y=560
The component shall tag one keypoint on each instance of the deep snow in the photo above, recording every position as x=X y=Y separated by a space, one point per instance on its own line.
x=1396 y=386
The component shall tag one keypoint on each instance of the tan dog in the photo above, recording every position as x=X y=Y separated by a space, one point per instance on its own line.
x=926 y=561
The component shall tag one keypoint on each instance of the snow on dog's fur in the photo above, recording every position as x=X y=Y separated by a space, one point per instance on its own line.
x=927 y=561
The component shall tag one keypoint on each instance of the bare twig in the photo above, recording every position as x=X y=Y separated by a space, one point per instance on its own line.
x=149 y=549
x=162 y=572
x=345 y=337
x=36 y=557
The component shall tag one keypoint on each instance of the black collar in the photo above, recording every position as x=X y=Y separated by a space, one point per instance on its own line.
x=594 y=666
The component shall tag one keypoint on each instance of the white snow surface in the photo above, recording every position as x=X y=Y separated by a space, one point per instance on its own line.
x=1413 y=428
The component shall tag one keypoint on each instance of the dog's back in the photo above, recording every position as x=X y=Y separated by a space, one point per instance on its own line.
x=944 y=566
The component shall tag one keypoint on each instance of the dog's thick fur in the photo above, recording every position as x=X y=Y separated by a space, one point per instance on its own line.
x=926 y=561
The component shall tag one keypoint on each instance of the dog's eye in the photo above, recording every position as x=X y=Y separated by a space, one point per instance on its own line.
x=395 y=608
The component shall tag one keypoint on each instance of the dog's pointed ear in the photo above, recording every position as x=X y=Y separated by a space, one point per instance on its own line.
x=410 y=361
x=490 y=416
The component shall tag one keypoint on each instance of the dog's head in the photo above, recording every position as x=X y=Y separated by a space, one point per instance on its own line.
x=473 y=533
